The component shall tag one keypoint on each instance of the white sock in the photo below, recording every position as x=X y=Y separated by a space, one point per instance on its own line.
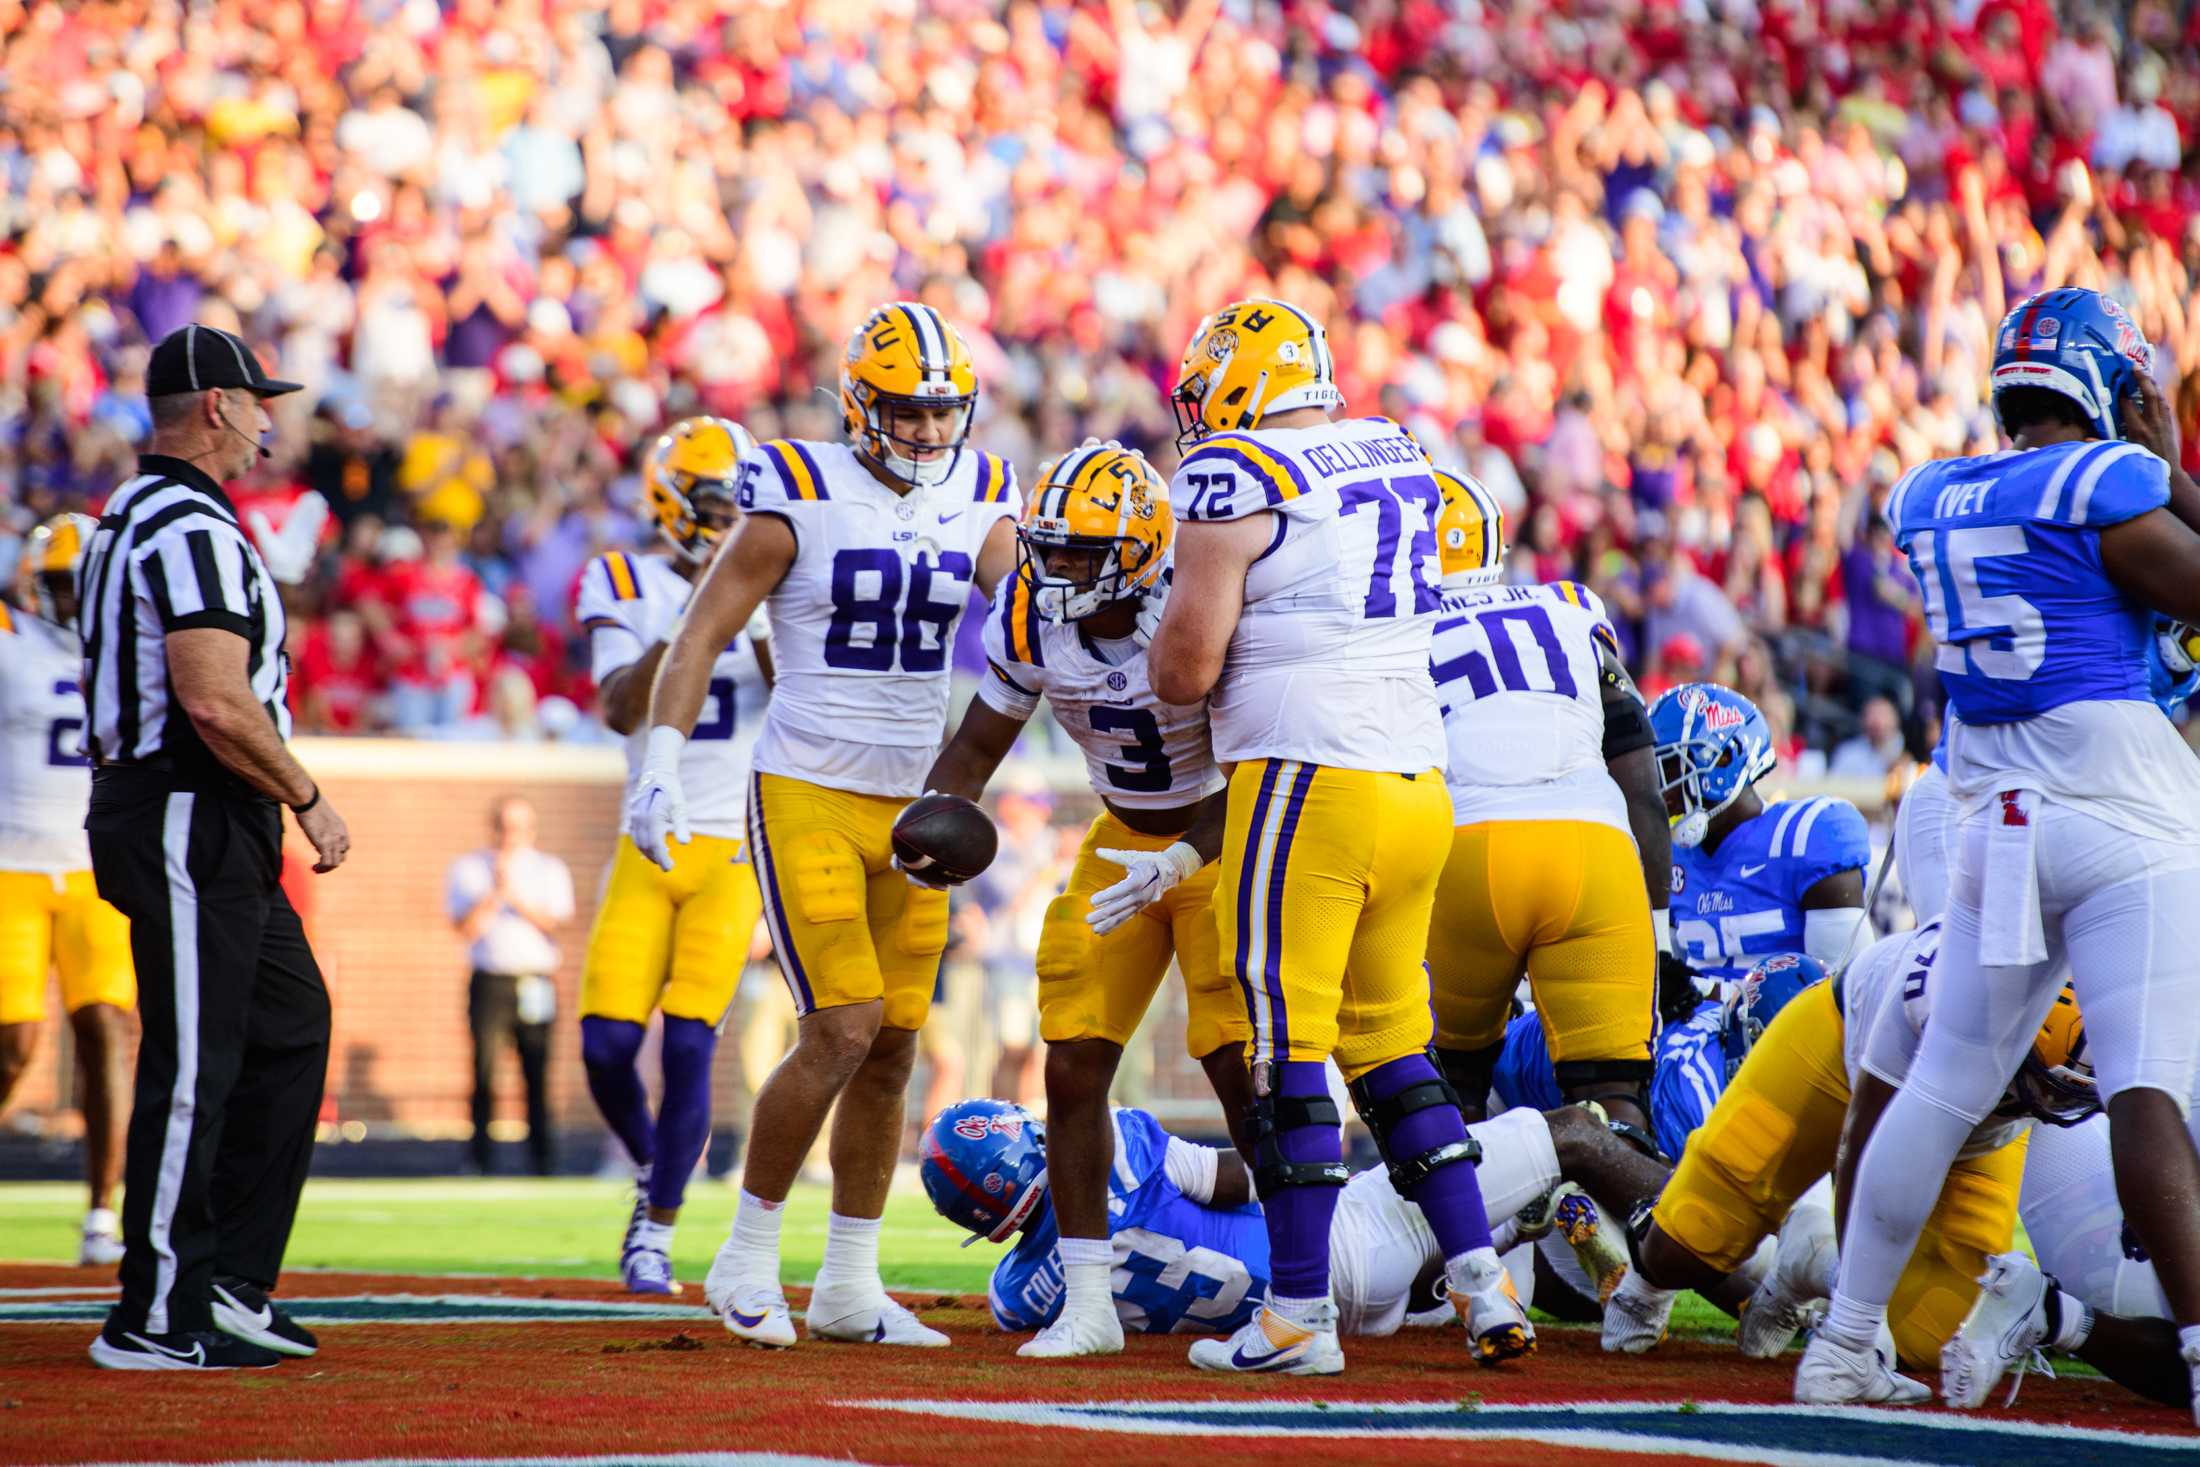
x=1642 y=1291
x=1473 y=1271
x=755 y=1238
x=102 y=1220
x=2074 y=1320
x=1305 y=1313
x=2188 y=1345
x=1087 y=1264
x=1504 y=1235
x=1852 y=1324
x=851 y=1254
x=656 y=1236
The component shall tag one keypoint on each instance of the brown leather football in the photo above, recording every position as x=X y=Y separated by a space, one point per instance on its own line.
x=945 y=839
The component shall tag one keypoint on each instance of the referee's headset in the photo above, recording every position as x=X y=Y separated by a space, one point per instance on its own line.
x=221 y=411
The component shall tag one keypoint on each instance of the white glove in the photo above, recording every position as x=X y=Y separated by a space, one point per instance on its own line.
x=2178 y=642
x=1150 y=605
x=289 y=553
x=659 y=806
x=1148 y=875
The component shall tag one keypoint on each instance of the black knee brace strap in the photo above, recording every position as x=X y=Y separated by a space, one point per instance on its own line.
x=1471 y=1072
x=1272 y=1170
x=1638 y=1138
x=1384 y=1116
x=1638 y=1228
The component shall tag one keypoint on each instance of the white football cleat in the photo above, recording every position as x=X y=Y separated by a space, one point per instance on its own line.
x=102 y=1246
x=2191 y=1356
x=1781 y=1306
x=1497 y=1327
x=1635 y=1317
x=867 y=1319
x=2006 y=1326
x=1834 y=1375
x=1269 y=1344
x=757 y=1314
x=1076 y=1332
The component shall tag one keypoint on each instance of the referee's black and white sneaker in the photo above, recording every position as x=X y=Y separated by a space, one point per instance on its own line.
x=243 y=1309
x=116 y=1348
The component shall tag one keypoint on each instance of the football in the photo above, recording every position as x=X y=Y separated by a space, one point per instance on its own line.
x=945 y=838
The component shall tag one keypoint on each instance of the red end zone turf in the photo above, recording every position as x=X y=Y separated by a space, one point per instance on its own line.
x=435 y=1380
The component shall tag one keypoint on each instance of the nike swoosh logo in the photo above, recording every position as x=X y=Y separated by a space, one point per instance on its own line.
x=878 y=1336
x=262 y=1320
x=950 y=518
x=1276 y=1360
x=1749 y=871
x=196 y=1354
x=746 y=1321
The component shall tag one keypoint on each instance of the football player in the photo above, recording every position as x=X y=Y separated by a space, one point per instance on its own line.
x=671 y=940
x=1560 y=855
x=867 y=550
x=51 y=917
x=1304 y=593
x=2079 y=830
x=1750 y=1172
x=1093 y=551
x=1187 y=1246
x=1751 y=879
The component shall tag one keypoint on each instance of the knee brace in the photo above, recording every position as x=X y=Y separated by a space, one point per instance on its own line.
x=1634 y=1136
x=1275 y=1115
x=1471 y=1072
x=609 y=1044
x=1386 y=1116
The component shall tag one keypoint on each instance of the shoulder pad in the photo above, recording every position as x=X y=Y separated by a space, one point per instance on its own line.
x=996 y=480
x=779 y=473
x=2104 y=484
x=1231 y=475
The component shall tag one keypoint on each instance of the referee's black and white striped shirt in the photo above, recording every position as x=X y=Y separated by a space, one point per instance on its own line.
x=169 y=555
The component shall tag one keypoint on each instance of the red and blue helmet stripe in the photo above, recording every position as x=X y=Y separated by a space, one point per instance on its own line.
x=984 y=1165
x=1765 y=990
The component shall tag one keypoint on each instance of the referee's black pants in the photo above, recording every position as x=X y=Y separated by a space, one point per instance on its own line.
x=235 y=1045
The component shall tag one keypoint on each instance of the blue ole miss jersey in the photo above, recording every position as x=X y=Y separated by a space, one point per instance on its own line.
x=1744 y=901
x=1180 y=1266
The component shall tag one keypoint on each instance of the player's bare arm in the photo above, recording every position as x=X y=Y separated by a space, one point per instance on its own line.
x=2155 y=559
x=1830 y=893
x=1233 y=1181
x=2148 y=422
x=735 y=585
x=997 y=557
x=1205 y=598
x=981 y=742
x=624 y=696
x=208 y=668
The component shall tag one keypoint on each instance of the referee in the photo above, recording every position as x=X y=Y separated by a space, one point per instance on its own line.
x=184 y=686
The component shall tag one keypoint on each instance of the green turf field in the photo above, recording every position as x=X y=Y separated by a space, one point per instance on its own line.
x=564 y=1227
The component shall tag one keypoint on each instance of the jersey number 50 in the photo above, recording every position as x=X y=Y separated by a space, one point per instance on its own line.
x=873 y=626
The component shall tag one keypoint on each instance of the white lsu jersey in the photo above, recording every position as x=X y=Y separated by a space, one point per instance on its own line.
x=1522 y=693
x=628 y=603
x=1139 y=751
x=863 y=623
x=1329 y=661
x=45 y=778
x=1886 y=999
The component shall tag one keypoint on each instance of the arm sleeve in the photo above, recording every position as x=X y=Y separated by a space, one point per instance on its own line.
x=613 y=638
x=1833 y=935
x=1192 y=1168
x=196 y=572
x=1229 y=476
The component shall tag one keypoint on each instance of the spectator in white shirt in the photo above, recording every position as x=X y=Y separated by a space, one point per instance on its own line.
x=507 y=901
x=1874 y=748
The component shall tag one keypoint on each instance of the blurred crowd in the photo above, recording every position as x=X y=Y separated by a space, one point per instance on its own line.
x=1687 y=283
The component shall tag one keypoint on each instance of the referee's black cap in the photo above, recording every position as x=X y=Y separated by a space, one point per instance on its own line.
x=198 y=358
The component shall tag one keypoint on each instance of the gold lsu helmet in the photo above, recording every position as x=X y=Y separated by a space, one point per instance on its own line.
x=2055 y=1084
x=1247 y=360
x=1106 y=502
x=1470 y=532
x=46 y=569
x=905 y=355
x=695 y=461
